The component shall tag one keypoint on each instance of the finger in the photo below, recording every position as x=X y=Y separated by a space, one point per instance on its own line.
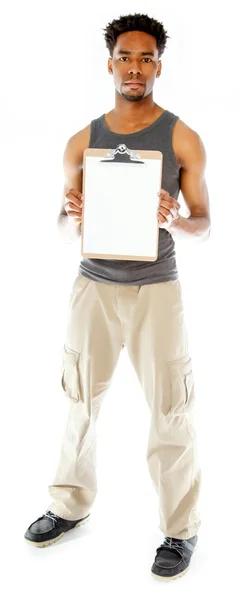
x=163 y=211
x=75 y=218
x=75 y=193
x=169 y=216
x=76 y=197
x=72 y=206
x=170 y=203
x=165 y=197
x=166 y=204
x=74 y=215
x=163 y=193
x=74 y=200
x=161 y=219
x=174 y=213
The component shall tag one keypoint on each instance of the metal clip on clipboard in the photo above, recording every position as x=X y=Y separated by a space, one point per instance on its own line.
x=124 y=155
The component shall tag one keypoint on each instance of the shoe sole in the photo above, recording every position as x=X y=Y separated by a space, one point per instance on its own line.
x=169 y=578
x=50 y=542
x=174 y=576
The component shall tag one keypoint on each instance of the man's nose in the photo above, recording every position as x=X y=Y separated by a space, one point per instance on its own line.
x=134 y=69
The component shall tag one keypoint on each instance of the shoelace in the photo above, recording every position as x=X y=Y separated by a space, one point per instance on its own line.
x=169 y=543
x=51 y=515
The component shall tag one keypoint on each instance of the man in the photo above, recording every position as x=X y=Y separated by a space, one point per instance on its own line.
x=137 y=304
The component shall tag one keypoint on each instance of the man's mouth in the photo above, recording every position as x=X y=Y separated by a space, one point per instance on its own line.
x=134 y=84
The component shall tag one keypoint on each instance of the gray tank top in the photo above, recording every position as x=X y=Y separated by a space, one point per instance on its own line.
x=157 y=136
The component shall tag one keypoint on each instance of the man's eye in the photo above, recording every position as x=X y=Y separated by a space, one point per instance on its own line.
x=126 y=57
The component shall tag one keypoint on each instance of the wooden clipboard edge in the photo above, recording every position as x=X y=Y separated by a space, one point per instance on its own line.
x=101 y=152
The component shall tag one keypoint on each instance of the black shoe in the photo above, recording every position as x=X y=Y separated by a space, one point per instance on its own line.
x=49 y=528
x=173 y=557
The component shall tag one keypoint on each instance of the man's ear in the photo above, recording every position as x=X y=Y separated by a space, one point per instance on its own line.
x=110 y=66
x=159 y=68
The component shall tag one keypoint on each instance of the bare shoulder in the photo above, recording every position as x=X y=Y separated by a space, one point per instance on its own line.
x=76 y=145
x=73 y=157
x=187 y=145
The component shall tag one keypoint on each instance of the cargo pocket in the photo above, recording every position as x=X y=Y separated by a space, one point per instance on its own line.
x=182 y=392
x=70 y=379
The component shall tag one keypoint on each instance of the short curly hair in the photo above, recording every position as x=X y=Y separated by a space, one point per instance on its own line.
x=135 y=22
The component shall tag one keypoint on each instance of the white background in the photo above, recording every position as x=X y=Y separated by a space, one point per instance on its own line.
x=55 y=81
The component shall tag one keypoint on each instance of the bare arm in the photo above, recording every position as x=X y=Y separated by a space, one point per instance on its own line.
x=192 y=156
x=73 y=172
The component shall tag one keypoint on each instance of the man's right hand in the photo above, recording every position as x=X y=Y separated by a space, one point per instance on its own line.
x=74 y=205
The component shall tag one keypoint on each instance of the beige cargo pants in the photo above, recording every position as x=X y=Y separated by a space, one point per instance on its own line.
x=149 y=321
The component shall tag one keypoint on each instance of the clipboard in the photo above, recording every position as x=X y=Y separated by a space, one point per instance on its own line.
x=120 y=189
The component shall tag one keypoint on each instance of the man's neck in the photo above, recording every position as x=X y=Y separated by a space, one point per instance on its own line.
x=133 y=112
x=132 y=120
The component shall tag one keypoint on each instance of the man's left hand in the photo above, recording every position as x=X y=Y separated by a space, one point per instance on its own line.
x=167 y=210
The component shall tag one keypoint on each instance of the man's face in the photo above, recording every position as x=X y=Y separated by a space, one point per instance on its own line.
x=135 y=57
